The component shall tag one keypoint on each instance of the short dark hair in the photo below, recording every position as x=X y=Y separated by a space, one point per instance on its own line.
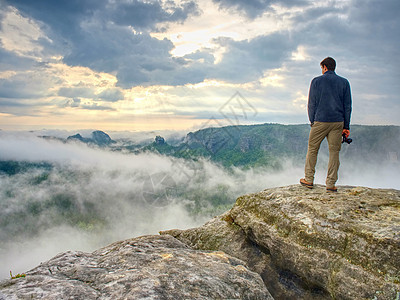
x=329 y=62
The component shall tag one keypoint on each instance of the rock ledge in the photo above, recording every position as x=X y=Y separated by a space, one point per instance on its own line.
x=148 y=267
x=309 y=244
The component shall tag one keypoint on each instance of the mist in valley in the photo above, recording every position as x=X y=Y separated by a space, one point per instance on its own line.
x=69 y=196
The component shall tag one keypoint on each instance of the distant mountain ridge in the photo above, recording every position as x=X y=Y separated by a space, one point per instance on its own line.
x=260 y=145
x=267 y=144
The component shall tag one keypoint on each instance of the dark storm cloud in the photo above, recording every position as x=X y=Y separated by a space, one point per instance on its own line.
x=361 y=37
x=380 y=24
x=11 y=61
x=66 y=17
x=251 y=8
x=154 y=65
x=246 y=60
x=111 y=95
x=360 y=27
x=11 y=103
x=255 y=8
x=142 y=15
x=76 y=92
x=110 y=48
x=22 y=87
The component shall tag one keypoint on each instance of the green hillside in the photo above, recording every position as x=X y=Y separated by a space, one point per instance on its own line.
x=267 y=144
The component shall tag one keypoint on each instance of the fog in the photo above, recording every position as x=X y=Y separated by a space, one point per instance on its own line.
x=85 y=198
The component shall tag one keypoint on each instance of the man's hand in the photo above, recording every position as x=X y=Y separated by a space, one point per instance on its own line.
x=346 y=133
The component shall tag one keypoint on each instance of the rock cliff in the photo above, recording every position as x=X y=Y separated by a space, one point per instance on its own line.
x=309 y=244
x=148 y=267
x=288 y=242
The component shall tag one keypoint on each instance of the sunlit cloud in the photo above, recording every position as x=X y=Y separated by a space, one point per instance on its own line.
x=272 y=78
x=300 y=54
x=21 y=35
x=300 y=101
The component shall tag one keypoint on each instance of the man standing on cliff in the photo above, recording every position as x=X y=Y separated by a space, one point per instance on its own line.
x=329 y=110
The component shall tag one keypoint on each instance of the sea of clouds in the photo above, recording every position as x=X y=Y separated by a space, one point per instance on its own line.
x=131 y=194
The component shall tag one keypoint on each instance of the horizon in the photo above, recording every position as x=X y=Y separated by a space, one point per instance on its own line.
x=86 y=131
x=178 y=64
x=194 y=127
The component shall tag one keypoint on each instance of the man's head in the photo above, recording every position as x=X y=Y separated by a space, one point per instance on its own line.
x=328 y=64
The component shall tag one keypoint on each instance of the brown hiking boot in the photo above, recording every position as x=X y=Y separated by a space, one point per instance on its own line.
x=332 y=189
x=305 y=183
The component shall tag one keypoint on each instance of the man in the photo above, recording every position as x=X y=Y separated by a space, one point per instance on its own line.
x=329 y=110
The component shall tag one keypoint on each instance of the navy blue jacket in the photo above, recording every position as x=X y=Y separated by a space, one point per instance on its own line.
x=329 y=99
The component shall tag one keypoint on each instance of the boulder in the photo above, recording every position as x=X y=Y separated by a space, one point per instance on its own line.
x=310 y=244
x=148 y=267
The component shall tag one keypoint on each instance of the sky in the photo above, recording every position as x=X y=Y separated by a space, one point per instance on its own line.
x=181 y=64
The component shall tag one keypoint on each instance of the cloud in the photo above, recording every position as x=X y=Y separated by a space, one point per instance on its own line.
x=144 y=15
x=111 y=95
x=370 y=18
x=74 y=95
x=96 y=106
x=75 y=102
x=85 y=92
x=255 y=8
x=112 y=36
x=137 y=58
x=11 y=61
x=247 y=60
x=25 y=85
x=66 y=17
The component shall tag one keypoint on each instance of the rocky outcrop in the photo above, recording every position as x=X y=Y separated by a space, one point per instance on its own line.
x=101 y=138
x=98 y=138
x=78 y=137
x=292 y=242
x=159 y=140
x=148 y=267
x=309 y=244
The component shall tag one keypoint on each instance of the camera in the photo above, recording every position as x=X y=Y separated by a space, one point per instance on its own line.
x=346 y=140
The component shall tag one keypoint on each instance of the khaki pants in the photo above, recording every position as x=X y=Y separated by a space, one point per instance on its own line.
x=333 y=132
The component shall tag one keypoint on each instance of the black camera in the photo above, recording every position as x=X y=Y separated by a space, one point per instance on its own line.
x=346 y=140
